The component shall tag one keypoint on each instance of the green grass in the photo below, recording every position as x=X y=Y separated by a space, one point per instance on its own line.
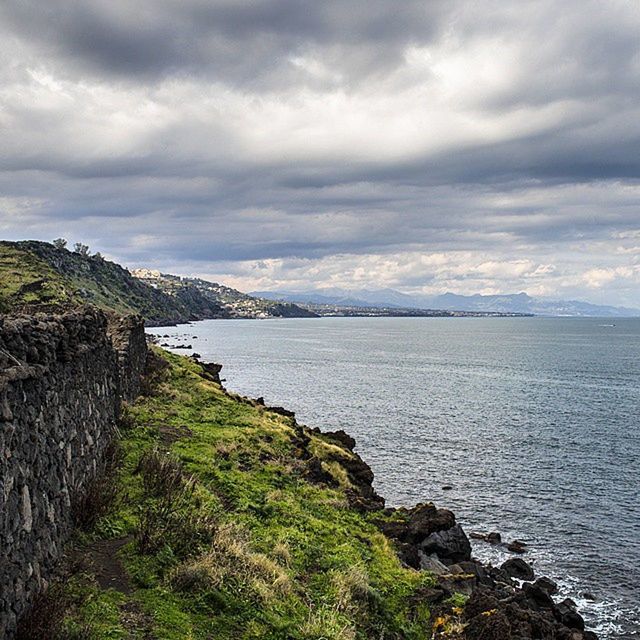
x=27 y=280
x=229 y=540
x=35 y=276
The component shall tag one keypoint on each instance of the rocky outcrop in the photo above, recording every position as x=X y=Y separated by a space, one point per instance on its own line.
x=502 y=614
x=425 y=530
x=518 y=568
x=429 y=538
x=62 y=379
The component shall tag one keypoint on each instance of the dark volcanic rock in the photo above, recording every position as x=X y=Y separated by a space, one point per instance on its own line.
x=494 y=538
x=547 y=585
x=361 y=477
x=347 y=441
x=517 y=546
x=518 y=568
x=482 y=600
x=418 y=523
x=425 y=519
x=212 y=371
x=493 y=625
x=449 y=545
x=432 y=564
x=566 y=613
x=481 y=574
x=538 y=598
x=486 y=614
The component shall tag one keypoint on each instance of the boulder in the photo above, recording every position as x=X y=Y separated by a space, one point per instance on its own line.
x=425 y=519
x=566 y=613
x=494 y=538
x=547 y=585
x=432 y=564
x=537 y=598
x=450 y=545
x=479 y=571
x=417 y=523
x=517 y=546
x=518 y=568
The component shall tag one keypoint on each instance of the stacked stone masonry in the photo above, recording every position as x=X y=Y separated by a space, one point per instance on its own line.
x=62 y=380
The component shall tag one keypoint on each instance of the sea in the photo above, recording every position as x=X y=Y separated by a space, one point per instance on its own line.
x=525 y=426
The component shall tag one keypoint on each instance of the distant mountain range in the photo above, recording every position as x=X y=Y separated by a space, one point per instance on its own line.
x=509 y=303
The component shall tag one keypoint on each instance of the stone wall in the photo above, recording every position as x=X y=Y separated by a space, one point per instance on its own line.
x=130 y=342
x=62 y=379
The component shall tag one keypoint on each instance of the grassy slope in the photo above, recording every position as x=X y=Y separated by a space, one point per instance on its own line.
x=241 y=545
x=26 y=279
x=35 y=275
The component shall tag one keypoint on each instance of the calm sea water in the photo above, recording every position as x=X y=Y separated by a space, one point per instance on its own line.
x=534 y=422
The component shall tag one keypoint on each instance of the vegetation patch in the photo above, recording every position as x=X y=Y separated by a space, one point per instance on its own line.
x=222 y=534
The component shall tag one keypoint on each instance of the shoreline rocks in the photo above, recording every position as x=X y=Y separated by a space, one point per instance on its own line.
x=429 y=538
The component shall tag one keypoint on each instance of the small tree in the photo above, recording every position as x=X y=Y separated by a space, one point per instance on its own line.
x=98 y=256
x=60 y=244
x=82 y=249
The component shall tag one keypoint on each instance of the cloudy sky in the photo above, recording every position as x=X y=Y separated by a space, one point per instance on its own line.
x=427 y=146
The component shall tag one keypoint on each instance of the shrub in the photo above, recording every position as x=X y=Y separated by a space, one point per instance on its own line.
x=172 y=515
x=162 y=475
x=45 y=618
x=100 y=495
x=232 y=563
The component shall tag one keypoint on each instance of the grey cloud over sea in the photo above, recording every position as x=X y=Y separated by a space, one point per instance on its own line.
x=288 y=143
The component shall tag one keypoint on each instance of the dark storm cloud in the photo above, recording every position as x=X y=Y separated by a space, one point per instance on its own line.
x=235 y=41
x=314 y=134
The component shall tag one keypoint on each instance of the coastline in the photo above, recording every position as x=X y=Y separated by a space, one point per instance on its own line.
x=526 y=441
x=510 y=600
x=217 y=500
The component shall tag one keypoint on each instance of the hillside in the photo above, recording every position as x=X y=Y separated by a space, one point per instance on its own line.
x=228 y=520
x=234 y=303
x=38 y=276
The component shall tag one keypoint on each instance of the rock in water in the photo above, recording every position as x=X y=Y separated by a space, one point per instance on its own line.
x=494 y=538
x=517 y=546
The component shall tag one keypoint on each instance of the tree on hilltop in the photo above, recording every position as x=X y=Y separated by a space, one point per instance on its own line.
x=60 y=243
x=82 y=249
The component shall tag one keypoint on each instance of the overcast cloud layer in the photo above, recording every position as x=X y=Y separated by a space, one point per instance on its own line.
x=427 y=146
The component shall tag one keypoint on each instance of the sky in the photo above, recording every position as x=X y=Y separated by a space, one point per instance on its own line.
x=473 y=147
